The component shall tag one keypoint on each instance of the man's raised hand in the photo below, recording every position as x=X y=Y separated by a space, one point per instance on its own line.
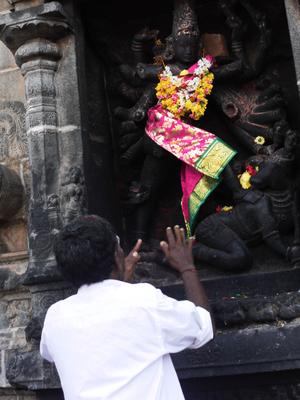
x=178 y=250
x=131 y=261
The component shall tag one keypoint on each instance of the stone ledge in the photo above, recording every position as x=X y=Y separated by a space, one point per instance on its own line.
x=263 y=348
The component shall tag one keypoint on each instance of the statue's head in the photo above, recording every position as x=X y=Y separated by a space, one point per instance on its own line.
x=72 y=175
x=186 y=49
x=290 y=141
x=279 y=131
x=271 y=175
x=185 y=32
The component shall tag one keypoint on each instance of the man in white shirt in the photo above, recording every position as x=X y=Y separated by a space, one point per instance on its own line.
x=112 y=339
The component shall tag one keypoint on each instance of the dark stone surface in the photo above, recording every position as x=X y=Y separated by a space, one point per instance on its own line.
x=49 y=395
x=266 y=386
x=260 y=348
x=28 y=370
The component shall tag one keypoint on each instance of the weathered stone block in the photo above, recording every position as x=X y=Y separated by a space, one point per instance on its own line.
x=12 y=85
x=7 y=59
x=12 y=339
x=12 y=394
x=4 y=321
x=5 y=339
x=14 y=235
x=5 y=6
x=29 y=370
x=18 y=312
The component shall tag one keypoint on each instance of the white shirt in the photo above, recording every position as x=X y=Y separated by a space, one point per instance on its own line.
x=112 y=341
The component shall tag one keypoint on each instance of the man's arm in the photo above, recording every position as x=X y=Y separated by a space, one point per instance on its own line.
x=178 y=252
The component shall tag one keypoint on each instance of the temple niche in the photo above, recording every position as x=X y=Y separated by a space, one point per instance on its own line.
x=247 y=229
x=248 y=223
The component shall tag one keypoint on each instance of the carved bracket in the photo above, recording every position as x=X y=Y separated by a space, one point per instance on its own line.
x=48 y=21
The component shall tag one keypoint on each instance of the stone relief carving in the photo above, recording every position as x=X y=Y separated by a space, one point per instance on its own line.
x=72 y=194
x=14 y=174
x=13 y=138
x=254 y=113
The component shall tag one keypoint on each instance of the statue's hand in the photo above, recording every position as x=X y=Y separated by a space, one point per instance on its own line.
x=146 y=34
x=234 y=23
x=293 y=254
x=141 y=70
x=128 y=140
x=131 y=261
x=232 y=20
x=138 y=114
x=258 y=18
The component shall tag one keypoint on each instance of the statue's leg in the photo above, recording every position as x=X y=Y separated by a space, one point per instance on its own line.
x=294 y=250
x=231 y=180
x=153 y=175
x=219 y=246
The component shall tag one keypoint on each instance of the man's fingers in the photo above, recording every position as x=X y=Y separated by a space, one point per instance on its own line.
x=177 y=233
x=137 y=246
x=182 y=234
x=190 y=242
x=170 y=236
x=165 y=248
x=136 y=255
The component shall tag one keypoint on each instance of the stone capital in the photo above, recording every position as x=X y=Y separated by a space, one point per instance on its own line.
x=37 y=51
x=47 y=21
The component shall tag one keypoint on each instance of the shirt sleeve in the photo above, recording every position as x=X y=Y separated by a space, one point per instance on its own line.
x=43 y=346
x=182 y=324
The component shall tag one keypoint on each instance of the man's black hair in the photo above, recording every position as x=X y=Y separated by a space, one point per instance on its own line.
x=85 y=250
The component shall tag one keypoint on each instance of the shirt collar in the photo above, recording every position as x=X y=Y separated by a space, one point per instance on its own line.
x=98 y=285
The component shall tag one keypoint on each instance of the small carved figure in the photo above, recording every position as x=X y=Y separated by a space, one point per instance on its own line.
x=11 y=197
x=260 y=214
x=73 y=198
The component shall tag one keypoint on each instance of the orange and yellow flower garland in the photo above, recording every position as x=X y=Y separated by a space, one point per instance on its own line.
x=185 y=95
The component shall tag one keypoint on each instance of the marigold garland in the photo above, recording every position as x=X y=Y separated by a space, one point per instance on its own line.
x=245 y=177
x=185 y=95
x=224 y=209
x=259 y=140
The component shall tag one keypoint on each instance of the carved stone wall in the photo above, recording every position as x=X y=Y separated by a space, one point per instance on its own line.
x=40 y=139
x=15 y=305
x=13 y=149
x=56 y=133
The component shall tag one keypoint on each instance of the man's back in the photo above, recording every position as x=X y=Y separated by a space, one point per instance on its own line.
x=116 y=338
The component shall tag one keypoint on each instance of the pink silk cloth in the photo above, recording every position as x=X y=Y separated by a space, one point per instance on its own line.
x=203 y=154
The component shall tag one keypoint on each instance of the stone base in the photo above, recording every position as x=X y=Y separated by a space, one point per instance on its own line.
x=274 y=386
x=11 y=394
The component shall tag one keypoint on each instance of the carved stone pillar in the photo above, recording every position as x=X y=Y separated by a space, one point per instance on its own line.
x=38 y=59
x=44 y=48
x=293 y=17
x=32 y=36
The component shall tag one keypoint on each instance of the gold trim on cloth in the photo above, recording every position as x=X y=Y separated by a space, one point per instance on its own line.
x=201 y=191
x=214 y=159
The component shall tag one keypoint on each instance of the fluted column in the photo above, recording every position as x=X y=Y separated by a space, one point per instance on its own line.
x=38 y=59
